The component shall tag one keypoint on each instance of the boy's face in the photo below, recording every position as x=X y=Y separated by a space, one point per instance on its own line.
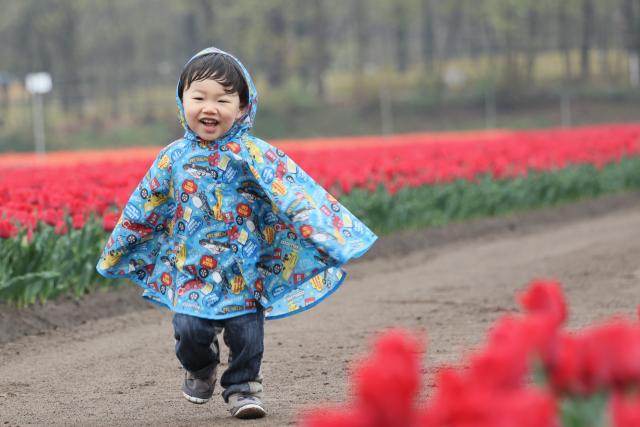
x=209 y=110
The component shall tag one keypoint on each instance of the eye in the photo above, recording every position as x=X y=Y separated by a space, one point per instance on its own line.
x=198 y=98
x=224 y=101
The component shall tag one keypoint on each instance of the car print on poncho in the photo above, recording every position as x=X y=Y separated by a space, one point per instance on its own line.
x=322 y=256
x=252 y=193
x=168 y=261
x=321 y=237
x=281 y=170
x=289 y=262
x=201 y=202
x=135 y=264
x=155 y=200
x=141 y=229
x=198 y=171
x=214 y=246
x=263 y=269
x=301 y=215
x=111 y=258
x=191 y=285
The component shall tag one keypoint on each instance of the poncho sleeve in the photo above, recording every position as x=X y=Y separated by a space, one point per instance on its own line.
x=133 y=246
x=305 y=262
x=314 y=212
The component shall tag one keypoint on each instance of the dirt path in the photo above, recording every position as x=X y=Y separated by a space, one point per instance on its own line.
x=121 y=370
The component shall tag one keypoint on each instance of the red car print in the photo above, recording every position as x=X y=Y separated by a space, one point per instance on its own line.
x=277 y=254
x=337 y=222
x=191 y=285
x=179 y=212
x=233 y=233
x=270 y=155
x=214 y=159
x=142 y=230
x=281 y=170
x=234 y=147
x=153 y=218
x=281 y=226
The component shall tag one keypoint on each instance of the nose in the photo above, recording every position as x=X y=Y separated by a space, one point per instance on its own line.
x=209 y=107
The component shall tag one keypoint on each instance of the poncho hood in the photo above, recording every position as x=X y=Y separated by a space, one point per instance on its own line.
x=242 y=125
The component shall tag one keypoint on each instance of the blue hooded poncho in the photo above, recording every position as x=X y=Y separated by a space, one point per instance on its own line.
x=216 y=227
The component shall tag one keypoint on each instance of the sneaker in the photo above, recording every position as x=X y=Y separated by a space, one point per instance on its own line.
x=198 y=390
x=246 y=407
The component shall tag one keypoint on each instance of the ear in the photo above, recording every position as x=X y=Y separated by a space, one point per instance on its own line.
x=242 y=111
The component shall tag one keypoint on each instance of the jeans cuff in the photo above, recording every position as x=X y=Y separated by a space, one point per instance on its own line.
x=251 y=388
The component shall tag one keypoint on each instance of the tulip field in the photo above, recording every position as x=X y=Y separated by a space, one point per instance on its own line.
x=530 y=372
x=55 y=212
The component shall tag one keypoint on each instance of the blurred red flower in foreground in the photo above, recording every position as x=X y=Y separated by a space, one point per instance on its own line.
x=625 y=410
x=544 y=298
x=385 y=387
x=530 y=373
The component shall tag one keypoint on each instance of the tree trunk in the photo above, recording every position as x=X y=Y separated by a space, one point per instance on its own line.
x=563 y=39
x=400 y=36
x=532 y=48
x=362 y=41
x=602 y=40
x=190 y=30
x=428 y=35
x=207 y=13
x=511 y=71
x=276 y=61
x=68 y=54
x=588 y=17
x=4 y=102
x=300 y=29
x=361 y=23
x=320 y=48
x=453 y=28
x=631 y=13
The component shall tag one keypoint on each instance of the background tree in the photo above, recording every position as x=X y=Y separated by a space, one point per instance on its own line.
x=631 y=13
x=588 y=24
x=112 y=56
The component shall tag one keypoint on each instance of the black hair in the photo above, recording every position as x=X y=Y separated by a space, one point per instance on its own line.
x=218 y=67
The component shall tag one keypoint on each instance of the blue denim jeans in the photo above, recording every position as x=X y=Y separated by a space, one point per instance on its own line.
x=197 y=348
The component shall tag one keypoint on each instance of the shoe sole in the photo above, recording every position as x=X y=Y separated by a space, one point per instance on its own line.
x=192 y=399
x=250 y=412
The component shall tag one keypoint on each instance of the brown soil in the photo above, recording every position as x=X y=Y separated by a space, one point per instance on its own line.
x=108 y=358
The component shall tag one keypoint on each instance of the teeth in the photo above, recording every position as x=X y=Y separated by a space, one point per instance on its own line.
x=209 y=121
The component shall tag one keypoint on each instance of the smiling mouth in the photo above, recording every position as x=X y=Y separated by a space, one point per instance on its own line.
x=209 y=122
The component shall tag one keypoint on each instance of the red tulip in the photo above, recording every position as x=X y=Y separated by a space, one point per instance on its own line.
x=625 y=409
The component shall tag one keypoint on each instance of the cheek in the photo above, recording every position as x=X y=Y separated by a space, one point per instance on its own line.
x=189 y=112
x=229 y=114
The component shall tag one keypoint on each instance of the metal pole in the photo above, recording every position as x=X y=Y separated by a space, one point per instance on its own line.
x=490 y=108
x=565 y=108
x=38 y=123
x=634 y=69
x=386 y=116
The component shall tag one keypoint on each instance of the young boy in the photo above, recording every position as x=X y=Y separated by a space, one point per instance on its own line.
x=225 y=230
